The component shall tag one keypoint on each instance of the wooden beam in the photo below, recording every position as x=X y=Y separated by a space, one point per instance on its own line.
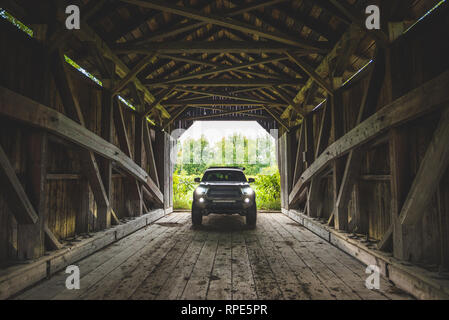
x=190 y=60
x=223 y=114
x=314 y=198
x=380 y=37
x=133 y=73
x=20 y=108
x=176 y=116
x=325 y=129
x=221 y=70
x=309 y=152
x=65 y=87
x=283 y=95
x=158 y=100
x=276 y=118
x=52 y=240
x=150 y=154
x=400 y=183
x=14 y=194
x=30 y=237
x=184 y=27
x=229 y=83
x=222 y=94
x=108 y=103
x=311 y=73
x=430 y=172
x=122 y=135
x=212 y=102
x=86 y=33
x=63 y=34
x=210 y=47
x=415 y=103
x=385 y=241
x=120 y=129
x=225 y=22
x=353 y=162
x=299 y=159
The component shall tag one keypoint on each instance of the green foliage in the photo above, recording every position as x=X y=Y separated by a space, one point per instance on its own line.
x=83 y=71
x=183 y=187
x=6 y=15
x=256 y=155
x=267 y=188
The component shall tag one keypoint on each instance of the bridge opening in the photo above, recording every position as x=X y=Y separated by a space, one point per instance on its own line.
x=227 y=143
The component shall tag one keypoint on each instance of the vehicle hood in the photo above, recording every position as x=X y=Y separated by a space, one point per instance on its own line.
x=224 y=183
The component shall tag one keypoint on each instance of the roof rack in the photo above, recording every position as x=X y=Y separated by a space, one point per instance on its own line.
x=227 y=167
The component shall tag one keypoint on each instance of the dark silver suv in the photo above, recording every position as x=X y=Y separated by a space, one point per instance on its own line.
x=224 y=190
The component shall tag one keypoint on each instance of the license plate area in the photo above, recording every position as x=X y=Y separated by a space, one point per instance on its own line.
x=223 y=201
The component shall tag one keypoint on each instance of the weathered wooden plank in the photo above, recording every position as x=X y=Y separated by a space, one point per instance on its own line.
x=17 y=278
x=174 y=287
x=243 y=286
x=337 y=288
x=430 y=172
x=310 y=283
x=220 y=284
x=65 y=87
x=198 y=283
x=267 y=287
x=311 y=73
x=121 y=282
x=221 y=21
x=413 y=104
x=133 y=73
x=150 y=153
x=290 y=286
x=12 y=188
x=30 y=240
x=210 y=47
x=23 y=109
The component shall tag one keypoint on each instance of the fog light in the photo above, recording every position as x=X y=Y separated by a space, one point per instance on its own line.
x=247 y=200
x=201 y=199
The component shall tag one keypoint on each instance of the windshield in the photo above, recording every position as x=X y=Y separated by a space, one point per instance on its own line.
x=224 y=175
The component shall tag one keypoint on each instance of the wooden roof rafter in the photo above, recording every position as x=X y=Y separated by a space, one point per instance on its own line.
x=225 y=22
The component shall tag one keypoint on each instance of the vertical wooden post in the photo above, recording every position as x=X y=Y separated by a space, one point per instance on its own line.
x=299 y=163
x=104 y=212
x=283 y=169
x=309 y=156
x=159 y=154
x=135 y=193
x=84 y=223
x=400 y=183
x=338 y=164
x=138 y=139
x=31 y=236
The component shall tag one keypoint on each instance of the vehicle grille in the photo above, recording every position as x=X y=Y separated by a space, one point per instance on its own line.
x=224 y=193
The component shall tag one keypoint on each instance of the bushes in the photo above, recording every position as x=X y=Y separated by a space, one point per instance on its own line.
x=267 y=188
x=268 y=191
x=183 y=187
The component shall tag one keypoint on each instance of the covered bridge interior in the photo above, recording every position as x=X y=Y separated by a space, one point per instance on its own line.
x=362 y=116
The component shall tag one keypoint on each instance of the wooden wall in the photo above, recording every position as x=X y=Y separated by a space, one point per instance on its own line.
x=413 y=59
x=71 y=207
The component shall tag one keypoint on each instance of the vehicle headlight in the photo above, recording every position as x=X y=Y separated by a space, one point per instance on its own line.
x=247 y=191
x=200 y=190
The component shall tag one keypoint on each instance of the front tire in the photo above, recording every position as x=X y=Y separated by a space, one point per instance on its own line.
x=197 y=217
x=251 y=216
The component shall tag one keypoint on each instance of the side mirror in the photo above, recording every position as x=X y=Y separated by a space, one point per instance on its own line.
x=197 y=180
x=251 y=180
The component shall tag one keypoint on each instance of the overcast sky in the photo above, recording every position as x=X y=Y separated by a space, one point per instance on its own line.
x=215 y=130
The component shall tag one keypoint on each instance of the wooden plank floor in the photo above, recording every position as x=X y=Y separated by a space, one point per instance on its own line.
x=221 y=260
